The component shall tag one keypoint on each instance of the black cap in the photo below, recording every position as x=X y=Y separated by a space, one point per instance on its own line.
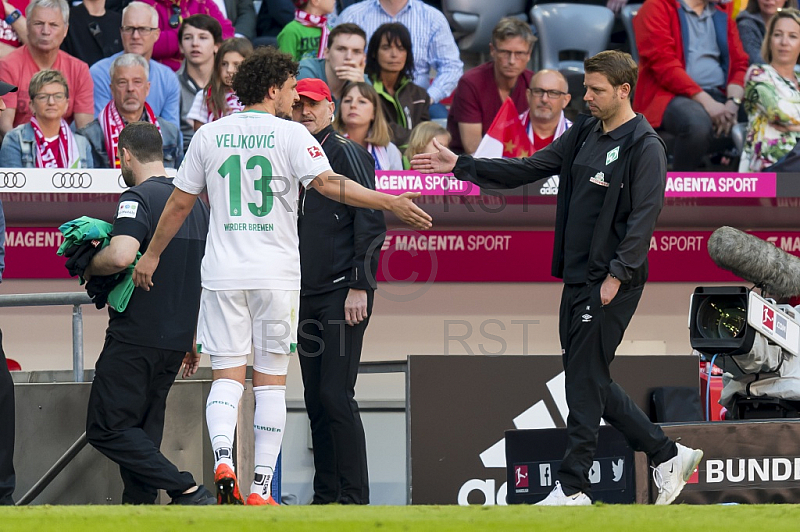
x=5 y=88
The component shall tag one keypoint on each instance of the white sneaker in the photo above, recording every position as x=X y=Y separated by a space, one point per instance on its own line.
x=557 y=498
x=671 y=476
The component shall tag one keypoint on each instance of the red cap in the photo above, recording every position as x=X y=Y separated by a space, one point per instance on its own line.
x=313 y=88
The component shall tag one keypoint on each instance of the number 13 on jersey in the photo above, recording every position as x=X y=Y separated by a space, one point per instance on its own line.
x=232 y=167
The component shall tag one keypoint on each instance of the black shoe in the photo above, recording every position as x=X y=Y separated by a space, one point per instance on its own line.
x=347 y=499
x=199 y=497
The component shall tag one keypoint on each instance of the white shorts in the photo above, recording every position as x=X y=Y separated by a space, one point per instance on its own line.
x=234 y=323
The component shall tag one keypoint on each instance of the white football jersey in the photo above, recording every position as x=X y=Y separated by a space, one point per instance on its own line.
x=252 y=164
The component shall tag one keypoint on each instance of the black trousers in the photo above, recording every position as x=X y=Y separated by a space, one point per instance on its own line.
x=590 y=334
x=7 y=478
x=330 y=352
x=125 y=419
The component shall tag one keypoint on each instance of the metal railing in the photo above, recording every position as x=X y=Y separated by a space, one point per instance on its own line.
x=76 y=299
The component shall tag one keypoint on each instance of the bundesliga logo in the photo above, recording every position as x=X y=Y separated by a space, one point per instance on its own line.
x=521 y=476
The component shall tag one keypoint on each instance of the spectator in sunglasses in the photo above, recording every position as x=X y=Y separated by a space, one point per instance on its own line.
x=170 y=16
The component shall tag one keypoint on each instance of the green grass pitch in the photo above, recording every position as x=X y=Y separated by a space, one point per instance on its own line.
x=617 y=518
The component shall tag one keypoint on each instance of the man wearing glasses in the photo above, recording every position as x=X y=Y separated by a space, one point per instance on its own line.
x=548 y=96
x=483 y=89
x=47 y=23
x=139 y=34
x=129 y=85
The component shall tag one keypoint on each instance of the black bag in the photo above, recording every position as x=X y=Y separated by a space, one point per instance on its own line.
x=674 y=404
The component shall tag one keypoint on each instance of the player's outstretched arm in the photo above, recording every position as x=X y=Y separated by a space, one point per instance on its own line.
x=340 y=188
x=440 y=162
x=178 y=207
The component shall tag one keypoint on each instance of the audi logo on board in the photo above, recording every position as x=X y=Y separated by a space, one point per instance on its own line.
x=12 y=180
x=72 y=180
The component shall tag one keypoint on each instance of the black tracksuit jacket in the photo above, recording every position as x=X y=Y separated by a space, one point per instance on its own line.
x=621 y=235
x=339 y=245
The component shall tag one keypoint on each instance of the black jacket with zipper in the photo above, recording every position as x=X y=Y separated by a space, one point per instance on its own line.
x=339 y=245
x=409 y=106
x=621 y=236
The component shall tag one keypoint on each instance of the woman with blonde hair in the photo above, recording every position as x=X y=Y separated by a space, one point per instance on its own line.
x=218 y=99
x=772 y=96
x=361 y=119
x=421 y=140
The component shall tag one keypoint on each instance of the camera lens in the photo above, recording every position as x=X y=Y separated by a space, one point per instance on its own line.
x=722 y=317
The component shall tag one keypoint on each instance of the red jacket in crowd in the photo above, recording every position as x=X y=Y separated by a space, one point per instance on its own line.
x=662 y=65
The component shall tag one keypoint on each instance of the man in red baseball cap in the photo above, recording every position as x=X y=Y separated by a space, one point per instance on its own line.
x=313 y=88
x=315 y=108
x=7 y=481
x=335 y=291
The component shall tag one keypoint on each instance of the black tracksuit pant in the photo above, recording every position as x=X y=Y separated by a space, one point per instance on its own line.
x=7 y=478
x=125 y=419
x=590 y=334
x=330 y=352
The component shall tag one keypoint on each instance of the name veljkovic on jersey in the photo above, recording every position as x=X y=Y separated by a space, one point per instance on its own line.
x=231 y=140
x=248 y=227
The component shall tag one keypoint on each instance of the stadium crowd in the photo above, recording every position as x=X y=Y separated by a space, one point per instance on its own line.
x=703 y=74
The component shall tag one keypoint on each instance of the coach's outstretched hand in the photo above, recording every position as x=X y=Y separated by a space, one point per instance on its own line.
x=143 y=271
x=404 y=208
x=440 y=162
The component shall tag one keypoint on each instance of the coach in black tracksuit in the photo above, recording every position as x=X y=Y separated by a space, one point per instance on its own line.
x=612 y=169
x=339 y=251
x=147 y=343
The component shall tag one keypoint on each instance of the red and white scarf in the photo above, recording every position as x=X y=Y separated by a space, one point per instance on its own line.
x=60 y=153
x=314 y=21
x=231 y=100
x=563 y=125
x=112 y=123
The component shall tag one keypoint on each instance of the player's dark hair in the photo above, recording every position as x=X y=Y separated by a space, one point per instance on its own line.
x=143 y=141
x=266 y=67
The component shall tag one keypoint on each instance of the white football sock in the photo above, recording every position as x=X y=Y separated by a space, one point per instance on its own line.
x=268 y=424
x=222 y=411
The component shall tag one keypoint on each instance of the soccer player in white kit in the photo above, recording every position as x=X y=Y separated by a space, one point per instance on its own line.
x=252 y=164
